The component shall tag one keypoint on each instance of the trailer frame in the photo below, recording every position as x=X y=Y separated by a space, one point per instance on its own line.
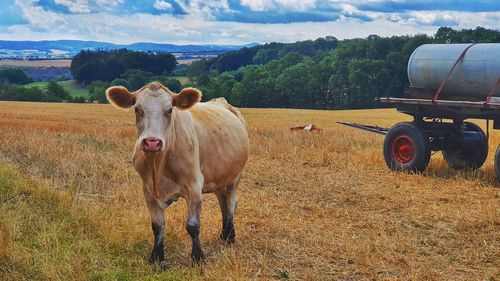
x=439 y=124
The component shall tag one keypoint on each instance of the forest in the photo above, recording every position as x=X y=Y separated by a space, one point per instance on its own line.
x=107 y=65
x=349 y=76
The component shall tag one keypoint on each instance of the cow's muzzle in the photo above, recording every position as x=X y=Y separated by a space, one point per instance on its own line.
x=151 y=144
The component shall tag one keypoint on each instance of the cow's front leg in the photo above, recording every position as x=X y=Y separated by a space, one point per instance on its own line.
x=193 y=225
x=158 y=227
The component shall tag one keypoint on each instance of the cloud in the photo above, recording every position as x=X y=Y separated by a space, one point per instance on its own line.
x=74 y=6
x=162 y=5
x=289 y=5
x=108 y=2
x=232 y=21
x=435 y=19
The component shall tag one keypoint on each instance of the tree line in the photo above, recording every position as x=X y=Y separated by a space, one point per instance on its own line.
x=351 y=75
x=52 y=93
x=104 y=65
x=14 y=76
x=12 y=89
x=260 y=54
x=132 y=79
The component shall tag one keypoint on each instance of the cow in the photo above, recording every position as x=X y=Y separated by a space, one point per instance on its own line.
x=184 y=148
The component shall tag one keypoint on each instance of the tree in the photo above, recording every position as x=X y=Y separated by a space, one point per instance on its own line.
x=197 y=68
x=262 y=54
x=56 y=92
x=368 y=79
x=221 y=86
x=97 y=91
x=173 y=84
x=324 y=71
x=14 y=76
x=8 y=91
x=29 y=94
x=79 y=99
x=88 y=66
x=256 y=89
x=137 y=78
x=414 y=42
x=298 y=85
x=120 y=82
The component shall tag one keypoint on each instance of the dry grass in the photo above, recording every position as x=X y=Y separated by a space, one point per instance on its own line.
x=36 y=63
x=311 y=206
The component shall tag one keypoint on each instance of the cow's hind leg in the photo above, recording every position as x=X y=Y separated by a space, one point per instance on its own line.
x=227 y=202
x=158 y=227
x=193 y=225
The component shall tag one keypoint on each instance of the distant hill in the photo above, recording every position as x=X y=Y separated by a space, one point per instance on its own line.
x=69 y=48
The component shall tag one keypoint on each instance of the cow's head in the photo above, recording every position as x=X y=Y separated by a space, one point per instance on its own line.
x=154 y=110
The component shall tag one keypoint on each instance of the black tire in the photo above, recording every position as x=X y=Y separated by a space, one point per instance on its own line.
x=407 y=148
x=468 y=157
x=497 y=163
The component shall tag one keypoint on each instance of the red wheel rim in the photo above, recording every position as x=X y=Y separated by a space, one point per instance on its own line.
x=403 y=149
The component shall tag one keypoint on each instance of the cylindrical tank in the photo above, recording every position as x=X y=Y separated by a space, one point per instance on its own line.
x=474 y=76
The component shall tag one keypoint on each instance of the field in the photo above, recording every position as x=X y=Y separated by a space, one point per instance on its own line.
x=183 y=79
x=69 y=85
x=36 y=63
x=313 y=206
x=59 y=63
x=76 y=90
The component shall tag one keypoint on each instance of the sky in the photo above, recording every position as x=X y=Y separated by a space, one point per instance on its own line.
x=236 y=21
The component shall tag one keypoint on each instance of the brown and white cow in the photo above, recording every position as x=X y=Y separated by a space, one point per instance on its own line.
x=185 y=148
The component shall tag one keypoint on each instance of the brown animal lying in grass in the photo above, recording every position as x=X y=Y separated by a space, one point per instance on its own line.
x=185 y=148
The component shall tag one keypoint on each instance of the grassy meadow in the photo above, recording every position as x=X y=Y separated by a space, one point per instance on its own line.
x=312 y=206
x=73 y=89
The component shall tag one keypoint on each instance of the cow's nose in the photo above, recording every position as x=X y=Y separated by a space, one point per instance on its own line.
x=151 y=144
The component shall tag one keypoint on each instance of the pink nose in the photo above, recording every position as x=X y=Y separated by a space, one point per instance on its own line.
x=151 y=144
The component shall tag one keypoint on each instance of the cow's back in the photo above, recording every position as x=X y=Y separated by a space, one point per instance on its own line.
x=223 y=141
x=223 y=102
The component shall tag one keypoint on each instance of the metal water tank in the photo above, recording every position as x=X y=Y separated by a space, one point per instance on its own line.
x=474 y=76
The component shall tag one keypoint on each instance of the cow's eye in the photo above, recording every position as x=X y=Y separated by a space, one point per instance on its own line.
x=138 y=111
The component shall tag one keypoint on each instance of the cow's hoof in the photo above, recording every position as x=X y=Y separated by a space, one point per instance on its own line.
x=228 y=239
x=156 y=258
x=197 y=256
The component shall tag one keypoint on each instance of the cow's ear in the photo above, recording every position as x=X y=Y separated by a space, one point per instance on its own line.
x=120 y=97
x=187 y=98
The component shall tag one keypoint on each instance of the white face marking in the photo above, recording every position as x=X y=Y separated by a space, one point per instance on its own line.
x=153 y=116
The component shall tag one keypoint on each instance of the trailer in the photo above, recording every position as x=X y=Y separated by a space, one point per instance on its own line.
x=449 y=84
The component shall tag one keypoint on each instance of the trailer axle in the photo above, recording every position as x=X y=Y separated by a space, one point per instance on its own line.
x=374 y=129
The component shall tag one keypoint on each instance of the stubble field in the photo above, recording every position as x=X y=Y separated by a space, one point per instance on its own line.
x=313 y=206
x=36 y=63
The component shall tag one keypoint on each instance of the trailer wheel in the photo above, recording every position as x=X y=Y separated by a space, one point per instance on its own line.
x=468 y=157
x=407 y=148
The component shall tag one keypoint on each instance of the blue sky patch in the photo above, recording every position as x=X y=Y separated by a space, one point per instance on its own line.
x=432 y=5
x=11 y=14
